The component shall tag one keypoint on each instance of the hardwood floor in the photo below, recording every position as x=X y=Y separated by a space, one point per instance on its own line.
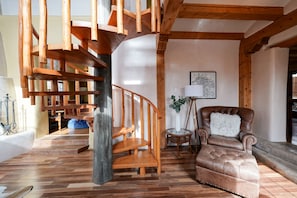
x=70 y=175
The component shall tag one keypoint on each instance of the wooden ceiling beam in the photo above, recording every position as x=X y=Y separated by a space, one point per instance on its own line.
x=215 y=11
x=171 y=10
x=281 y=24
x=206 y=35
x=286 y=43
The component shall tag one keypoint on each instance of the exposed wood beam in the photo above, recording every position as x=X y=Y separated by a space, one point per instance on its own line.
x=206 y=35
x=215 y=11
x=171 y=10
x=281 y=24
x=287 y=43
x=162 y=40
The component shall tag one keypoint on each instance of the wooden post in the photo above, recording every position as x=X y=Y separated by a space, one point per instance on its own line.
x=138 y=16
x=120 y=23
x=102 y=165
x=244 y=78
x=42 y=33
x=66 y=25
x=161 y=95
x=94 y=31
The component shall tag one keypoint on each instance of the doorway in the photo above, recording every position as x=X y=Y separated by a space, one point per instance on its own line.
x=292 y=97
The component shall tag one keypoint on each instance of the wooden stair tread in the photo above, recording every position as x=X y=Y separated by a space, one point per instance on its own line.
x=108 y=38
x=49 y=74
x=129 y=21
x=77 y=55
x=142 y=159
x=62 y=93
x=128 y=144
x=70 y=106
x=119 y=131
x=88 y=116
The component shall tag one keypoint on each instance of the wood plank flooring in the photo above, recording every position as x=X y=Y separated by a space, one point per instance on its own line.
x=70 y=175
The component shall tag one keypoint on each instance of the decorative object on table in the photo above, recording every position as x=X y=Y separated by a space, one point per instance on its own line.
x=208 y=80
x=7 y=106
x=193 y=92
x=176 y=105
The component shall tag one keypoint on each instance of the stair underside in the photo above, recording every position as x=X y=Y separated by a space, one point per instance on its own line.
x=142 y=159
x=78 y=55
x=108 y=38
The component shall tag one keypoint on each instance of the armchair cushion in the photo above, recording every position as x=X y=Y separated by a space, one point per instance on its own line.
x=228 y=142
x=224 y=124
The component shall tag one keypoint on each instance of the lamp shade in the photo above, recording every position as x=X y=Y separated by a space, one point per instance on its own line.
x=7 y=87
x=193 y=90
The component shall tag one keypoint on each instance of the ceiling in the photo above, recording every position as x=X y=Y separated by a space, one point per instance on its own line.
x=203 y=19
x=259 y=22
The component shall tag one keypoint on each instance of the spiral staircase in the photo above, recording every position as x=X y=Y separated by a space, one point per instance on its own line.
x=65 y=77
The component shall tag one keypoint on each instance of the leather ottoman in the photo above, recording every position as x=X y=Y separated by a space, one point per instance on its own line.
x=231 y=170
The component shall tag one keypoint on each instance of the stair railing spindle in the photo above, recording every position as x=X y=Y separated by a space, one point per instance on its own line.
x=153 y=16
x=94 y=28
x=120 y=22
x=138 y=16
x=42 y=33
x=141 y=118
x=66 y=24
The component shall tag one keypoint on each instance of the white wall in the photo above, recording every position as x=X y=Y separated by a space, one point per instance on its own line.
x=134 y=66
x=183 y=56
x=269 y=93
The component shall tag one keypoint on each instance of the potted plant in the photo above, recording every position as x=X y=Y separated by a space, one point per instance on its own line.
x=176 y=105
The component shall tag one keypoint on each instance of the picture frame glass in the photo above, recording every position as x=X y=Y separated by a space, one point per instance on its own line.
x=208 y=80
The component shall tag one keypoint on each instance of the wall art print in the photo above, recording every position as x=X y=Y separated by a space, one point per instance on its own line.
x=208 y=80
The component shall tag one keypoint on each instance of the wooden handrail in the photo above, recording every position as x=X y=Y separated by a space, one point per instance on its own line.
x=152 y=121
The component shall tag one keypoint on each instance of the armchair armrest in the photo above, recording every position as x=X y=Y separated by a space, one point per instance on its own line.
x=248 y=140
x=203 y=134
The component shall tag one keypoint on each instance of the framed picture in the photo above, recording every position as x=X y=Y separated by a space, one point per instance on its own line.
x=208 y=80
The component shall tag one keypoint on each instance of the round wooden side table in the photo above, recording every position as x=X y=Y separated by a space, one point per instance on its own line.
x=179 y=137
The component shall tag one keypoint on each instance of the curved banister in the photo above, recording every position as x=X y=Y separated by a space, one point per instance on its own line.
x=149 y=117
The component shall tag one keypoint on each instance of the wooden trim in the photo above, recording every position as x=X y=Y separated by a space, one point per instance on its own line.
x=216 y=11
x=206 y=35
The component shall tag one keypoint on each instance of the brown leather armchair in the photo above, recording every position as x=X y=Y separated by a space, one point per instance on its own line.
x=243 y=141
